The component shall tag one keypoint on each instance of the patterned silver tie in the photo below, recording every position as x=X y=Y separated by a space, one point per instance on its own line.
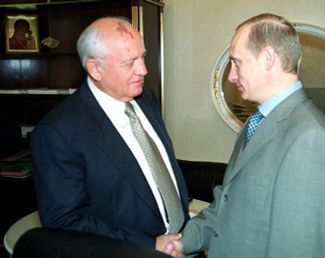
x=253 y=123
x=159 y=172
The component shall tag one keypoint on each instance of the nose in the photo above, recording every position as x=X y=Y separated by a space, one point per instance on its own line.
x=141 y=68
x=233 y=75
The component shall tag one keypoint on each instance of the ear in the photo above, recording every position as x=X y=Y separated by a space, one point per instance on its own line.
x=94 y=69
x=269 y=56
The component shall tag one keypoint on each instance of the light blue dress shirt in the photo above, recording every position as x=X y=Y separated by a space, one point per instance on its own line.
x=266 y=107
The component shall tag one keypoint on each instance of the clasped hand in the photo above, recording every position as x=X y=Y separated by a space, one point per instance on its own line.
x=171 y=245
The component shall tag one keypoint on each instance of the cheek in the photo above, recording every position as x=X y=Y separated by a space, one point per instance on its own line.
x=121 y=78
x=249 y=73
x=243 y=77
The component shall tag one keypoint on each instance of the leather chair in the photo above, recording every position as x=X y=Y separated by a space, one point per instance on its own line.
x=58 y=243
x=201 y=177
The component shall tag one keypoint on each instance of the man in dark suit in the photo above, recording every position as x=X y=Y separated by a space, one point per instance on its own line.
x=91 y=173
x=271 y=201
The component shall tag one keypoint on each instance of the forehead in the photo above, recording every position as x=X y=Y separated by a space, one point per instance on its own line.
x=238 y=42
x=114 y=29
x=129 y=47
x=122 y=38
x=126 y=53
x=124 y=30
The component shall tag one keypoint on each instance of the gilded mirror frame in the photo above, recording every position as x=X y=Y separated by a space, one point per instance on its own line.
x=234 y=111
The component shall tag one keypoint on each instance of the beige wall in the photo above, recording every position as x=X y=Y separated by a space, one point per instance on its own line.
x=196 y=32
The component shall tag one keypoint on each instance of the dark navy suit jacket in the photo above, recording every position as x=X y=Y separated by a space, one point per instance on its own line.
x=86 y=177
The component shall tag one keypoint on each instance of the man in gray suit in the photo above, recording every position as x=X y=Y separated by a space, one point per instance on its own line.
x=271 y=203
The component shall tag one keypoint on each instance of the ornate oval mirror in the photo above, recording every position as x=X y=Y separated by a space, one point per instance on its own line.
x=234 y=111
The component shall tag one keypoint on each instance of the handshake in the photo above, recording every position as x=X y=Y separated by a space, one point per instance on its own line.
x=171 y=245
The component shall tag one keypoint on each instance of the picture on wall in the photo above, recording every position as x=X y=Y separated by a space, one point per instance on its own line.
x=21 y=33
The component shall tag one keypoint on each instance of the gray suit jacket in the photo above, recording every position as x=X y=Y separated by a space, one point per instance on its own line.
x=271 y=203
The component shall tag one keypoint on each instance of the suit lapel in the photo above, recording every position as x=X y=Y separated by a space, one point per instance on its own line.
x=119 y=154
x=264 y=133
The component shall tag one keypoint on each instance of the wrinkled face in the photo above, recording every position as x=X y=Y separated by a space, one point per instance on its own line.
x=123 y=70
x=246 y=69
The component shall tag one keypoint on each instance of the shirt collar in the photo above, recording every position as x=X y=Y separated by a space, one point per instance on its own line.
x=113 y=108
x=267 y=106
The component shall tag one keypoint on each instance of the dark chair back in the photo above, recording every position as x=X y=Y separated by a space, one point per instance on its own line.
x=201 y=177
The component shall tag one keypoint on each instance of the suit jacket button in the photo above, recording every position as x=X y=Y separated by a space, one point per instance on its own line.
x=215 y=233
x=225 y=197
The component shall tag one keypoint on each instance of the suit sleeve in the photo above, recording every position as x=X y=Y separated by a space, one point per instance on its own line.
x=297 y=227
x=199 y=230
x=61 y=186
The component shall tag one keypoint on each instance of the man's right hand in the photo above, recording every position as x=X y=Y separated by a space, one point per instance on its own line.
x=174 y=248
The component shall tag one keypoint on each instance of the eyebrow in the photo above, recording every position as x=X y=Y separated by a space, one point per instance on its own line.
x=234 y=59
x=231 y=57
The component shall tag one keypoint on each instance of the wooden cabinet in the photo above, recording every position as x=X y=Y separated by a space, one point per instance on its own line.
x=32 y=83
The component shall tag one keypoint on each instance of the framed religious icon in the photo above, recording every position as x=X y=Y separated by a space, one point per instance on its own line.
x=21 y=33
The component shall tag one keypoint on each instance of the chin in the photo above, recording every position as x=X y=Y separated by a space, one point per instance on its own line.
x=138 y=91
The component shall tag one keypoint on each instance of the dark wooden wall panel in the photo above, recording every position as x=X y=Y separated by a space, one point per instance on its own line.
x=10 y=73
x=26 y=109
x=34 y=73
x=65 y=73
